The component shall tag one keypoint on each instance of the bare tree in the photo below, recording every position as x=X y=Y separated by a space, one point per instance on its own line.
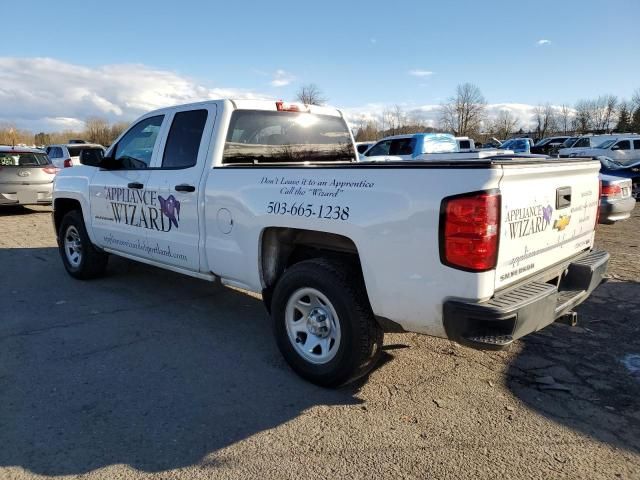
x=464 y=112
x=98 y=130
x=504 y=124
x=583 y=119
x=546 y=120
x=564 y=119
x=311 y=95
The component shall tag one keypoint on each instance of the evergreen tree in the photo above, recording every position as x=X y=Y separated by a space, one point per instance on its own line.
x=635 y=121
x=624 y=119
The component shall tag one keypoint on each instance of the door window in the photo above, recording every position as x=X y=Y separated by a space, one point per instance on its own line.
x=623 y=145
x=636 y=144
x=583 y=142
x=134 y=150
x=183 y=142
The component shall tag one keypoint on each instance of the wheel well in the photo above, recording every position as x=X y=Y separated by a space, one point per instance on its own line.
x=61 y=207
x=283 y=247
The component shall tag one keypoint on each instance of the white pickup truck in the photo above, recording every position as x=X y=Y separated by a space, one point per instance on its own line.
x=269 y=197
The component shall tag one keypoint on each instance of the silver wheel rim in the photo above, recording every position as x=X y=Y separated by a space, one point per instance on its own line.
x=73 y=246
x=312 y=325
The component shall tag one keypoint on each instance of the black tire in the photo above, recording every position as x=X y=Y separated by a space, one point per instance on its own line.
x=92 y=262
x=360 y=345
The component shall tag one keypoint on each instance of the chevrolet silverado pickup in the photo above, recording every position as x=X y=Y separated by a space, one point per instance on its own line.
x=269 y=197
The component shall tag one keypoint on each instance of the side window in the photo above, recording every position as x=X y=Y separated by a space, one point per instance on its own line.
x=623 y=145
x=583 y=142
x=402 y=146
x=636 y=144
x=381 y=148
x=134 y=150
x=362 y=148
x=465 y=144
x=183 y=142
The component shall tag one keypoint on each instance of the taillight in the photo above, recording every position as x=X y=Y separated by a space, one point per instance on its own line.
x=598 y=207
x=50 y=170
x=470 y=231
x=610 y=190
x=68 y=163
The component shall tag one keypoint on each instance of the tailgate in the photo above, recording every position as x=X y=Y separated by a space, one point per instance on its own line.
x=548 y=215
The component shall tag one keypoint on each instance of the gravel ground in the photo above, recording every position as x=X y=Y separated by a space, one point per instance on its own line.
x=148 y=373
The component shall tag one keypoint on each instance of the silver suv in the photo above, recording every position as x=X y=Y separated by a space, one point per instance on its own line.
x=68 y=155
x=26 y=176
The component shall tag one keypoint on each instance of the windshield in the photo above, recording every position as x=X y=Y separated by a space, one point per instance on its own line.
x=265 y=136
x=23 y=159
x=606 y=144
x=507 y=145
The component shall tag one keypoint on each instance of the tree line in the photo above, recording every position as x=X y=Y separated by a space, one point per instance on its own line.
x=466 y=114
x=96 y=130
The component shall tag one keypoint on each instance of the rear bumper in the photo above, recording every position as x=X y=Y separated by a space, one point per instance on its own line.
x=530 y=307
x=612 y=211
x=40 y=194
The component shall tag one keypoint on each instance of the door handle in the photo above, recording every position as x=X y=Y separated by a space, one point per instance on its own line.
x=185 y=188
x=135 y=185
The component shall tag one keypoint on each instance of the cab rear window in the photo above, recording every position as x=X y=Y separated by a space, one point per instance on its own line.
x=20 y=159
x=257 y=136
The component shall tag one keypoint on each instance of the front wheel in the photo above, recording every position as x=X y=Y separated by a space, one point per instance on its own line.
x=80 y=258
x=323 y=322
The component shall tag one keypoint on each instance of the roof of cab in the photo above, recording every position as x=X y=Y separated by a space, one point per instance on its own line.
x=253 y=104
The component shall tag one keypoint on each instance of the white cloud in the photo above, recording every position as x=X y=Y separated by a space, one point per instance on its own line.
x=543 y=41
x=282 y=78
x=48 y=94
x=420 y=73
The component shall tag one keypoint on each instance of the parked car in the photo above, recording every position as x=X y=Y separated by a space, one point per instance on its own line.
x=269 y=197
x=548 y=145
x=465 y=144
x=624 y=149
x=616 y=201
x=576 y=144
x=618 y=169
x=423 y=146
x=26 y=176
x=68 y=155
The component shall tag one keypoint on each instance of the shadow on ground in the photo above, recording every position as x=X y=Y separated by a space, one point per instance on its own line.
x=576 y=375
x=144 y=367
x=20 y=210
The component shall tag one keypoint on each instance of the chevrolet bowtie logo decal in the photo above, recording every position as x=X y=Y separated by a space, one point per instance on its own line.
x=562 y=222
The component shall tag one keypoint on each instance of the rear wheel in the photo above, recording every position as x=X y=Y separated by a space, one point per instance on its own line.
x=80 y=258
x=323 y=323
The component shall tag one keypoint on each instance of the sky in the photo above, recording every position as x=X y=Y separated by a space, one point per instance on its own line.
x=117 y=59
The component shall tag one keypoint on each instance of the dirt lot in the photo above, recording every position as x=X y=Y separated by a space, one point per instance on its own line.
x=147 y=373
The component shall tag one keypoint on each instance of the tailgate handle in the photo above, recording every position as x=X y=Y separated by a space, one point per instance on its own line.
x=563 y=197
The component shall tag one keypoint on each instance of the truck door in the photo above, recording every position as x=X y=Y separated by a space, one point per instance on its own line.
x=177 y=182
x=123 y=209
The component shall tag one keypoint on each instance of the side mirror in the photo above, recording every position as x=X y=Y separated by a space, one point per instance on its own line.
x=110 y=163
x=92 y=157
